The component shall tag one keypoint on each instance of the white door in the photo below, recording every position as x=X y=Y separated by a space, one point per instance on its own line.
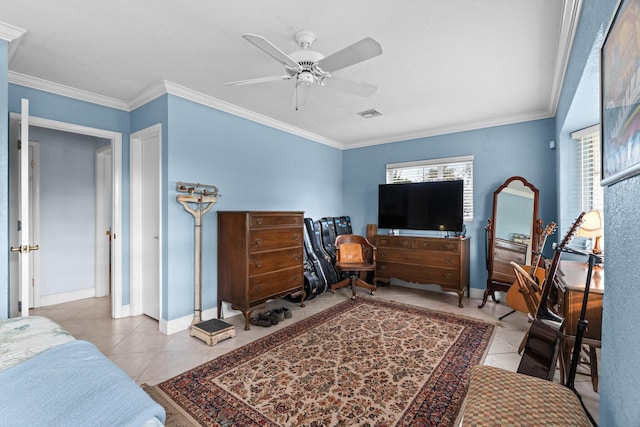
x=104 y=191
x=146 y=219
x=22 y=248
x=150 y=232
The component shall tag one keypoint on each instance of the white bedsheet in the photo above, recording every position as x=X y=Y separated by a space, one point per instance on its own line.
x=21 y=338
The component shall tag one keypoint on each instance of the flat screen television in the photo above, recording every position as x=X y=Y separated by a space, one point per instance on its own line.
x=421 y=206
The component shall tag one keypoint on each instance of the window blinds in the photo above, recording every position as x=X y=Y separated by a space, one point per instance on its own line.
x=448 y=169
x=589 y=191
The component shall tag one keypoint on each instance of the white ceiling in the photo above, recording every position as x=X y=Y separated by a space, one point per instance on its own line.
x=446 y=66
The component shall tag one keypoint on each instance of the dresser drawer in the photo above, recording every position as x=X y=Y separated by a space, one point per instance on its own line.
x=424 y=258
x=273 y=284
x=441 y=245
x=270 y=220
x=267 y=239
x=265 y=262
x=419 y=274
x=394 y=242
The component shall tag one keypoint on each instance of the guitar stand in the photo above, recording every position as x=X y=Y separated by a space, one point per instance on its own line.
x=582 y=326
x=203 y=197
x=505 y=315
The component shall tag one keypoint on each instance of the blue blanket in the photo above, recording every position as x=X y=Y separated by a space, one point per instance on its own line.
x=73 y=384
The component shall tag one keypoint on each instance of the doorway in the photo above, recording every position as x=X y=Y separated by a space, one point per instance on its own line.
x=146 y=220
x=113 y=145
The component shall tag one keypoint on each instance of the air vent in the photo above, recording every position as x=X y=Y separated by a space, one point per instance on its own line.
x=370 y=113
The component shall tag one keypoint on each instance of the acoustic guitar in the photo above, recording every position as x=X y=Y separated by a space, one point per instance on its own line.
x=541 y=349
x=514 y=297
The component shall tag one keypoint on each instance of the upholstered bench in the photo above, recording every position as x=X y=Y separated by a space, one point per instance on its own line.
x=498 y=397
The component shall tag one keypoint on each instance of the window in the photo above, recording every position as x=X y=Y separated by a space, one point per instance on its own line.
x=587 y=190
x=448 y=169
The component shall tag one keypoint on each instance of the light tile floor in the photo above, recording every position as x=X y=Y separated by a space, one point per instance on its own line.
x=148 y=356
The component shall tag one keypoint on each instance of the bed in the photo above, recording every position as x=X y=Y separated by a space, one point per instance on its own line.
x=47 y=377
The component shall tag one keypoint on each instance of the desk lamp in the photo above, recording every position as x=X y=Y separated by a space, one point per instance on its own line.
x=592 y=228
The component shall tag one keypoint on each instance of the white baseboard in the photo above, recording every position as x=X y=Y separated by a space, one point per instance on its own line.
x=46 y=300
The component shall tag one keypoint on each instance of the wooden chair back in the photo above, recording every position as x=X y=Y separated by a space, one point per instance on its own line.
x=354 y=250
x=529 y=289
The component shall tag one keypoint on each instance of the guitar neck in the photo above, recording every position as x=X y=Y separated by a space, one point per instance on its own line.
x=543 y=310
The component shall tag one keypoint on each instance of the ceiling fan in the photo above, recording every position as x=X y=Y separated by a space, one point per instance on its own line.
x=307 y=66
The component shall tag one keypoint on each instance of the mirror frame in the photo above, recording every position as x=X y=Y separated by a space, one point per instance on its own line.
x=494 y=284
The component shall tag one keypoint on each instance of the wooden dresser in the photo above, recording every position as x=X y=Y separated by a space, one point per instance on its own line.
x=260 y=257
x=425 y=260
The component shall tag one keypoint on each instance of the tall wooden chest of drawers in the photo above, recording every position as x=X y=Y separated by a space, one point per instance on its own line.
x=260 y=257
x=424 y=260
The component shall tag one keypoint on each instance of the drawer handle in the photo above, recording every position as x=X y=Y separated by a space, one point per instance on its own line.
x=296 y=220
x=259 y=221
x=449 y=246
x=296 y=278
x=383 y=254
x=296 y=237
x=296 y=257
x=383 y=267
x=405 y=243
x=424 y=244
x=258 y=287
x=383 y=241
x=447 y=261
x=448 y=276
x=259 y=264
x=258 y=241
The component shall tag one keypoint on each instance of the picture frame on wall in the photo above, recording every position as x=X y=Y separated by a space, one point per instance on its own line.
x=620 y=95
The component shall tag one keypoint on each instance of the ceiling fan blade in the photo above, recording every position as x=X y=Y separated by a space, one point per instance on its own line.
x=357 y=52
x=356 y=88
x=258 y=80
x=273 y=51
x=300 y=95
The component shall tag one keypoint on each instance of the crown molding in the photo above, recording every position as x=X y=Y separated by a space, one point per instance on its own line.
x=570 y=16
x=10 y=33
x=521 y=118
x=62 y=90
x=13 y=35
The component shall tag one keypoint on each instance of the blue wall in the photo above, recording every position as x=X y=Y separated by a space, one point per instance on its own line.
x=67 y=210
x=499 y=153
x=255 y=168
x=4 y=179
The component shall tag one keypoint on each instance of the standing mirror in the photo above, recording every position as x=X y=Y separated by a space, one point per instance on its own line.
x=512 y=233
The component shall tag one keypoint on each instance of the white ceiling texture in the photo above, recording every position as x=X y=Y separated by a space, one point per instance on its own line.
x=446 y=66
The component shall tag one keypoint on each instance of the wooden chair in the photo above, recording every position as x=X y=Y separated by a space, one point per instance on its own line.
x=354 y=255
x=530 y=292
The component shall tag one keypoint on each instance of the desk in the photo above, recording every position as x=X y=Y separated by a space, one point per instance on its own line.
x=571 y=278
x=571 y=282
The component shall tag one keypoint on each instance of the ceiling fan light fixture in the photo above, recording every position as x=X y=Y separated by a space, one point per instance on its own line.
x=305 y=78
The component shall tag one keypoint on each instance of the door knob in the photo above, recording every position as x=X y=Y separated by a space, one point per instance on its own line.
x=25 y=249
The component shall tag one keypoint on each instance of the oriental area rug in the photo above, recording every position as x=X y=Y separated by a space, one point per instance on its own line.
x=364 y=362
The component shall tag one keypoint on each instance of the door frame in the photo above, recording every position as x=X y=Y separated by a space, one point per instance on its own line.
x=34 y=212
x=118 y=309
x=136 y=140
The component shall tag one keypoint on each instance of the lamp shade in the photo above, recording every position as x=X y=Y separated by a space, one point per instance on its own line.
x=591 y=225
